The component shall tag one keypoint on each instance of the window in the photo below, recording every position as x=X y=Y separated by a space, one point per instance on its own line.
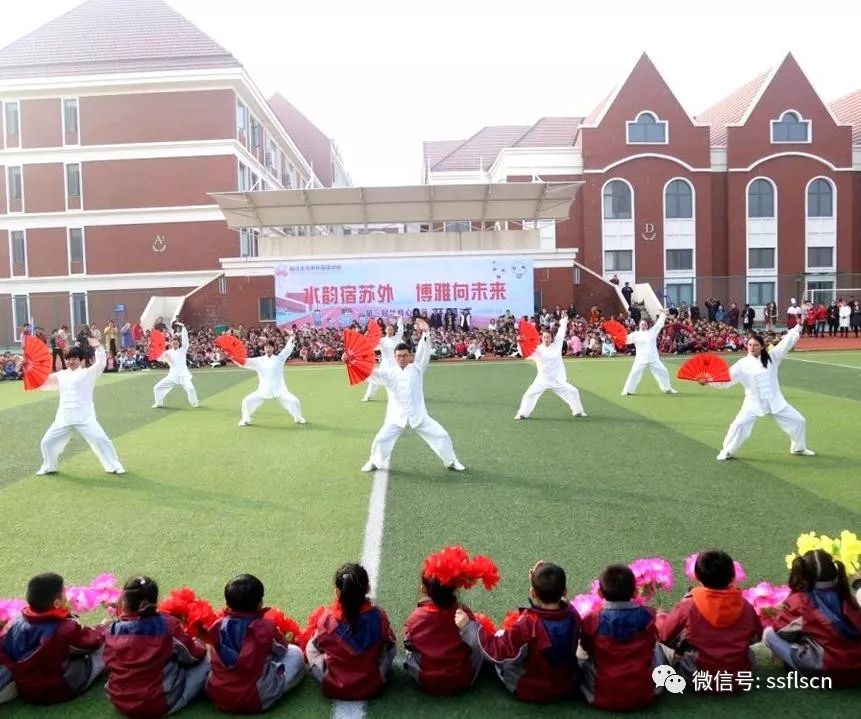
x=20 y=313
x=679 y=200
x=19 y=248
x=266 y=309
x=255 y=133
x=760 y=293
x=457 y=226
x=244 y=177
x=760 y=199
x=618 y=261
x=680 y=260
x=820 y=200
x=820 y=257
x=70 y=116
x=73 y=180
x=680 y=292
x=13 y=182
x=76 y=244
x=79 y=309
x=10 y=110
x=647 y=129
x=617 y=201
x=760 y=258
x=790 y=128
x=821 y=291
x=241 y=118
x=247 y=242
x=222 y=285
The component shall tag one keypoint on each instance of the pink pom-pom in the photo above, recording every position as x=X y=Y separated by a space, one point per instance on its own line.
x=585 y=604
x=10 y=609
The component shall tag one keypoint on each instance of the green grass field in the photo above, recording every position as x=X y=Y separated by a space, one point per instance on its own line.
x=204 y=500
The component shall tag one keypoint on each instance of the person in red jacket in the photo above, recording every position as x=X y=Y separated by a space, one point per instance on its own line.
x=621 y=640
x=536 y=657
x=353 y=646
x=438 y=658
x=818 y=631
x=712 y=627
x=156 y=668
x=50 y=657
x=253 y=665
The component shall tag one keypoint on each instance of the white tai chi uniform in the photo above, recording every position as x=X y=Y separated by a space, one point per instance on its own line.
x=551 y=376
x=386 y=346
x=406 y=407
x=76 y=412
x=646 y=342
x=271 y=385
x=177 y=375
x=762 y=396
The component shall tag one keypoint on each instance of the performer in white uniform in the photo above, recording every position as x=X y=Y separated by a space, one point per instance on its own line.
x=77 y=413
x=178 y=374
x=386 y=346
x=270 y=383
x=551 y=375
x=646 y=342
x=757 y=373
x=406 y=407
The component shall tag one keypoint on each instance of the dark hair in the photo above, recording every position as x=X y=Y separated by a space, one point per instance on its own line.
x=442 y=595
x=549 y=583
x=353 y=583
x=244 y=593
x=714 y=569
x=43 y=590
x=269 y=343
x=76 y=353
x=402 y=346
x=617 y=583
x=817 y=565
x=140 y=596
x=764 y=357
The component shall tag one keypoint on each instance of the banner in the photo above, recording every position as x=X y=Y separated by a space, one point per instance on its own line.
x=337 y=293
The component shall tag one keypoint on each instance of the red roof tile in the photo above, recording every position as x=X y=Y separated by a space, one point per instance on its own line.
x=113 y=36
x=848 y=111
x=436 y=150
x=731 y=109
x=551 y=132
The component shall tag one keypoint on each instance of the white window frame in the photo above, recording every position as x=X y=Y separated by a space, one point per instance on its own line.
x=658 y=122
x=66 y=166
x=630 y=190
x=801 y=119
x=17 y=103
x=771 y=269
x=760 y=281
x=689 y=270
x=274 y=308
x=833 y=214
x=693 y=190
x=16 y=325
x=63 y=101
x=69 y=250
x=761 y=275
x=832 y=268
x=22 y=230
x=681 y=282
x=72 y=324
x=236 y=128
x=633 y=220
x=616 y=269
x=9 y=209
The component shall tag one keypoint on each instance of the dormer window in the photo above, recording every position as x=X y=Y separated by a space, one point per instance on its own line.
x=647 y=129
x=790 y=127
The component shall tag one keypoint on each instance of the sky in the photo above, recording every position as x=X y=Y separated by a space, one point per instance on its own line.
x=380 y=76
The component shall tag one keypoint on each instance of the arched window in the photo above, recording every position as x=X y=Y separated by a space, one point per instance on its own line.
x=820 y=199
x=679 y=200
x=617 y=201
x=760 y=199
x=647 y=129
x=790 y=127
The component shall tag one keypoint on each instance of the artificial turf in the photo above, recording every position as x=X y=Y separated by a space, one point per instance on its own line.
x=204 y=499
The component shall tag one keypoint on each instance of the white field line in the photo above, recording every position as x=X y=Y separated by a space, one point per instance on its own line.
x=830 y=364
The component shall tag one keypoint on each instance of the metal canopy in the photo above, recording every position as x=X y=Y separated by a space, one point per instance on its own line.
x=489 y=202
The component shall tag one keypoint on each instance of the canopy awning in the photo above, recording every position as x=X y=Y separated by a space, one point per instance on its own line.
x=489 y=202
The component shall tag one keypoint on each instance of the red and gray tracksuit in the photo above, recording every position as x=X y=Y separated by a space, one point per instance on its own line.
x=536 y=658
x=253 y=666
x=622 y=642
x=438 y=658
x=155 y=667
x=351 y=662
x=50 y=657
x=711 y=630
x=819 y=633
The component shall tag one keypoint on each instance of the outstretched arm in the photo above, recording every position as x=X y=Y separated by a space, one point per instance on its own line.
x=184 y=339
x=561 y=332
x=784 y=347
x=423 y=352
x=659 y=324
x=285 y=353
x=101 y=359
x=399 y=333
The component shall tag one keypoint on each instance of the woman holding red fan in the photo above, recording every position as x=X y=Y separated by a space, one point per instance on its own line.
x=646 y=342
x=271 y=385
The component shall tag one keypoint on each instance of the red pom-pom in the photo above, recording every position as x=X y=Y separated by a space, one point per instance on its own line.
x=510 y=619
x=177 y=603
x=201 y=617
x=288 y=626
x=485 y=622
x=485 y=571
x=310 y=626
x=452 y=567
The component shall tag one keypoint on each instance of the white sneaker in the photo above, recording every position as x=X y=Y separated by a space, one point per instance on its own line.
x=723 y=456
x=42 y=472
x=244 y=422
x=157 y=406
x=119 y=471
x=366 y=399
x=806 y=453
x=627 y=394
x=580 y=414
x=301 y=420
x=671 y=391
x=519 y=417
x=456 y=466
x=368 y=466
x=196 y=405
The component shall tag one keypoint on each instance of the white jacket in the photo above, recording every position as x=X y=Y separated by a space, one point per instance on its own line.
x=406 y=404
x=646 y=342
x=76 y=390
x=177 y=359
x=270 y=371
x=387 y=345
x=551 y=369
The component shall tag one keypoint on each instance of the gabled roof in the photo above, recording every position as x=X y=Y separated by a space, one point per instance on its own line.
x=436 y=150
x=732 y=108
x=551 y=132
x=113 y=36
x=312 y=142
x=847 y=110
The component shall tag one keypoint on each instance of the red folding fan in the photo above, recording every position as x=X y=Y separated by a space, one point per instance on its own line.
x=529 y=338
x=157 y=345
x=708 y=367
x=360 y=359
x=37 y=362
x=233 y=347
x=374 y=332
x=617 y=331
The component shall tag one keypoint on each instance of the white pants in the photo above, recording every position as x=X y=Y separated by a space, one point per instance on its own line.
x=168 y=383
x=659 y=372
x=788 y=419
x=59 y=434
x=566 y=391
x=428 y=429
x=288 y=401
x=195 y=681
